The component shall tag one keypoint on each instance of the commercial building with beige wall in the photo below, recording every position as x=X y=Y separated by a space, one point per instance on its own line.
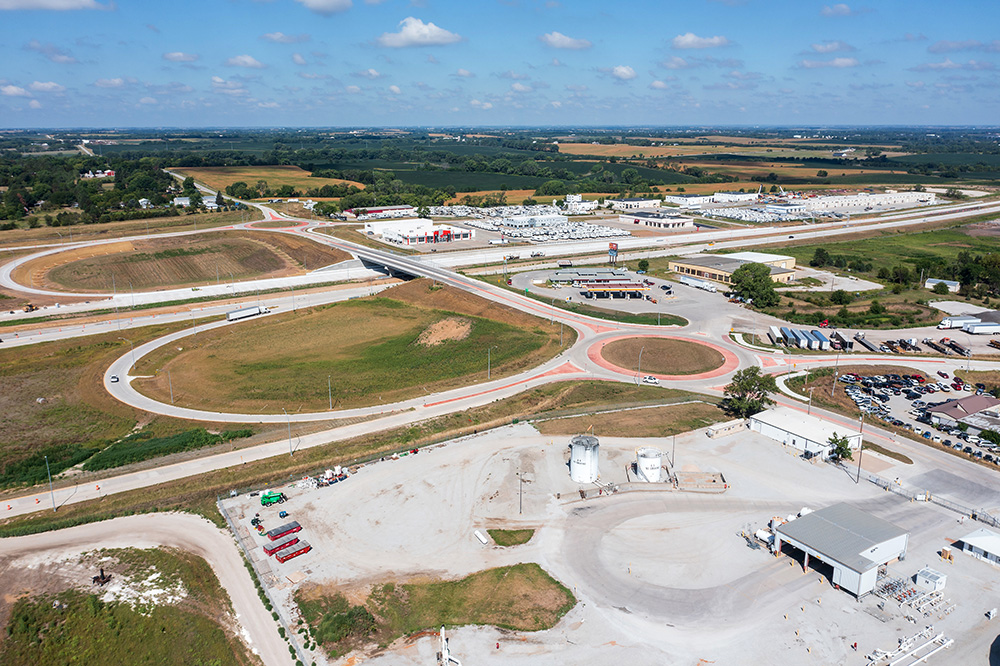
x=720 y=267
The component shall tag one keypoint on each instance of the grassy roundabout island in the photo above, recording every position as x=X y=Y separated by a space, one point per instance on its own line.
x=663 y=356
x=412 y=340
x=159 y=263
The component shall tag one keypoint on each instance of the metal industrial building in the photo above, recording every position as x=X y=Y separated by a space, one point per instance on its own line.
x=658 y=220
x=803 y=432
x=983 y=544
x=720 y=267
x=854 y=543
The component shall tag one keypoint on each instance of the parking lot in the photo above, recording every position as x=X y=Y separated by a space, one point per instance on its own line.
x=903 y=401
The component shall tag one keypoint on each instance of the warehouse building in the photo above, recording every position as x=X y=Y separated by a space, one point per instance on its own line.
x=954 y=411
x=658 y=220
x=734 y=197
x=870 y=200
x=953 y=285
x=635 y=203
x=802 y=432
x=688 y=200
x=853 y=543
x=720 y=267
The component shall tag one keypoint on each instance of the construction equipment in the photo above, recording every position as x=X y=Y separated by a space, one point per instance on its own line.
x=29 y=307
x=102 y=579
x=271 y=497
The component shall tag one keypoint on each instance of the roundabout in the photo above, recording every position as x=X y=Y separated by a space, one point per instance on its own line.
x=668 y=358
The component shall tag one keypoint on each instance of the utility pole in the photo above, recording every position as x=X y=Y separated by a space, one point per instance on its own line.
x=52 y=493
x=836 y=372
x=810 y=408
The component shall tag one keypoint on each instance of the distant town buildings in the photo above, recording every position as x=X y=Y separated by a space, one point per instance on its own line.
x=98 y=174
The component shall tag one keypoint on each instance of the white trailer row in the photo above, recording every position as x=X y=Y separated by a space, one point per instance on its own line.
x=982 y=328
x=958 y=321
x=793 y=337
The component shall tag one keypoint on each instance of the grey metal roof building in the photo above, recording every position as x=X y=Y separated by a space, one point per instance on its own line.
x=851 y=541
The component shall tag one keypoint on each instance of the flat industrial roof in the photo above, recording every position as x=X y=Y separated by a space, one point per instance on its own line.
x=804 y=425
x=660 y=215
x=842 y=533
x=725 y=263
x=983 y=539
x=759 y=257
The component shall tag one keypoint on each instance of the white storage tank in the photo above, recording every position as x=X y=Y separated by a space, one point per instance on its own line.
x=583 y=466
x=647 y=464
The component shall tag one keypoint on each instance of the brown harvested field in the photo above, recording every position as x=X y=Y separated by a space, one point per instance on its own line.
x=370 y=347
x=178 y=261
x=217 y=178
x=513 y=196
x=624 y=150
x=648 y=422
x=747 y=170
x=663 y=356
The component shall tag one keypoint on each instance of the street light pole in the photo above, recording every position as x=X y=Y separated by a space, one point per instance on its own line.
x=520 y=492
x=836 y=373
x=810 y=408
x=52 y=493
x=489 y=361
x=329 y=388
x=638 y=370
x=289 y=419
x=861 y=448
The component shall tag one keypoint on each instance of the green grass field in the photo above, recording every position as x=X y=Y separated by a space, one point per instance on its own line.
x=361 y=352
x=509 y=538
x=73 y=627
x=522 y=597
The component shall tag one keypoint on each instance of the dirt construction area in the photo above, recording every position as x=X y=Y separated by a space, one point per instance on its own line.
x=661 y=576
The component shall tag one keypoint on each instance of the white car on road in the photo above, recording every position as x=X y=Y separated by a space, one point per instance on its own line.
x=650 y=379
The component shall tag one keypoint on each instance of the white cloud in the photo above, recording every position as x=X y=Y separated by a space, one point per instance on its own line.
x=833 y=47
x=514 y=76
x=837 y=10
x=517 y=86
x=282 y=38
x=313 y=77
x=326 y=7
x=54 y=5
x=14 y=91
x=557 y=40
x=268 y=105
x=945 y=46
x=395 y=90
x=245 y=61
x=147 y=100
x=837 y=63
x=51 y=51
x=464 y=73
x=623 y=72
x=676 y=62
x=46 y=86
x=110 y=83
x=689 y=40
x=476 y=104
x=353 y=90
x=368 y=74
x=35 y=104
x=220 y=85
x=974 y=65
x=414 y=32
x=658 y=85
x=180 y=56
x=298 y=59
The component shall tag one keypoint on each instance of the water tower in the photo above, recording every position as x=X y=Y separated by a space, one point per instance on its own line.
x=583 y=465
x=647 y=464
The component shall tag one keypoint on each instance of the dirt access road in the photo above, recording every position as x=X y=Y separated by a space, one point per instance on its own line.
x=188 y=532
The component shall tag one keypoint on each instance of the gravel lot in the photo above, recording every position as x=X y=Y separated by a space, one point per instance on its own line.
x=662 y=577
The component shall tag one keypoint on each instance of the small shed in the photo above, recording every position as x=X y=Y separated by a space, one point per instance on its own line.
x=930 y=580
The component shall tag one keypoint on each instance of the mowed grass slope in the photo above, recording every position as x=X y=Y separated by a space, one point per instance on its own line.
x=662 y=356
x=218 y=178
x=180 y=261
x=373 y=351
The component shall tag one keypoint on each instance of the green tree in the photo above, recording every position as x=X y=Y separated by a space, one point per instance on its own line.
x=424 y=212
x=940 y=288
x=821 y=257
x=753 y=281
x=876 y=308
x=643 y=265
x=821 y=174
x=840 y=447
x=749 y=392
x=840 y=297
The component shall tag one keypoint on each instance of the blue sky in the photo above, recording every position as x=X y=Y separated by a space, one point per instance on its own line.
x=132 y=63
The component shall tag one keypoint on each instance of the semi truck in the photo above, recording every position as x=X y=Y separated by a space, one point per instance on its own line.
x=958 y=321
x=957 y=348
x=700 y=284
x=283 y=531
x=565 y=263
x=860 y=339
x=982 y=328
x=295 y=550
x=936 y=347
x=243 y=313
x=823 y=342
